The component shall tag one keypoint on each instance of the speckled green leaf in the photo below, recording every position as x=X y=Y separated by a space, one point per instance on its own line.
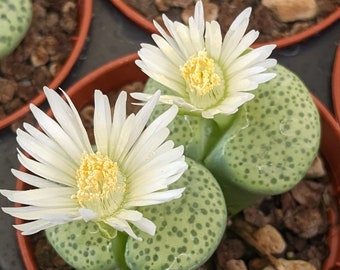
x=188 y=229
x=271 y=143
x=82 y=246
x=15 y=19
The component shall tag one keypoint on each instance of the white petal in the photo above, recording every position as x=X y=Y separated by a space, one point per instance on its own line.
x=143 y=150
x=196 y=35
x=235 y=34
x=68 y=118
x=33 y=180
x=151 y=138
x=82 y=131
x=268 y=63
x=182 y=37
x=118 y=121
x=47 y=141
x=33 y=227
x=168 y=51
x=159 y=165
x=262 y=78
x=102 y=122
x=157 y=179
x=199 y=16
x=252 y=58
x=43 y=154
x=129 y=215
x=54 y=131
x=161 y=78
x=46 y=213
x=229 y=106
x=242 y=46
x=48 y=197
x=122 y=225
x=156 y=197
x=162 y=66
x=168 y=24
x=46 y=171
x=133 y=127
x=136 y=218
x=88 y=214
x=145 y=225
x=213 y=39
x=245 y=74
x=167 y=99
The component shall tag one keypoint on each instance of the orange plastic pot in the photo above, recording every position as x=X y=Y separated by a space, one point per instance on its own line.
x=336 y=85
x=116 y=74
x=144 y=23
x=85 y=16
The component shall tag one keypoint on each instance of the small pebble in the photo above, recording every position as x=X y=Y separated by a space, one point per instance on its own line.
x=292 y=265
x=292 y=10
x=308 y=193
x=317 y=169
x=270 y=239
x=211 y=11
x=235 y=265
x=39 y=57
x=304 y=221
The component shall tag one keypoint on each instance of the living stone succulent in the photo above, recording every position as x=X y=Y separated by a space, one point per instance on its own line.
x=271 y=143
x=82 y=246
x=15 y=19
x=188 y=231
x=264 y=149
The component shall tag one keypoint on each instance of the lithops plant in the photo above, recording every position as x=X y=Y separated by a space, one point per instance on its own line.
x=188 y=231
x=82 y=246
x=265 y=149
x=271 y=143
x=15 y=19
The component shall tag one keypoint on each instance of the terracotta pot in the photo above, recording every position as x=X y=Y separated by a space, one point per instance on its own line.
x=85 y=15
x=116 y=74
x=144 y=23
x=336 y=85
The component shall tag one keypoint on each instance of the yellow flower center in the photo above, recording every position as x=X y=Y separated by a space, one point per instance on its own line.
x=101 y=186
x=199 y=74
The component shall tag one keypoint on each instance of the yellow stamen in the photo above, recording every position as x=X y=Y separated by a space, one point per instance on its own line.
x=199 y=74
x=98 y=178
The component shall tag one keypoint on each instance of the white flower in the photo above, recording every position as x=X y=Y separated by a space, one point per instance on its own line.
x=131 y=167
x=208 y=75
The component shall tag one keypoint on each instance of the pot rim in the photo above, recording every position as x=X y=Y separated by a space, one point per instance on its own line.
x=329 y=148
x=147 y=25
x=85 y=16
x=336 y=84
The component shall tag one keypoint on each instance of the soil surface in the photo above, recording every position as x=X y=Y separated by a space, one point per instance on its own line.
x=262 y=19
x=40 y=55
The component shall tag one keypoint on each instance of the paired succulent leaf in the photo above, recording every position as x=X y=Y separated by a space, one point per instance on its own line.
x=264 y=149
x=188 y=231
x=15 y=19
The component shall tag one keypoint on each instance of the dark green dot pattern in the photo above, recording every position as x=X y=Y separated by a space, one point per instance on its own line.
x=188 y=229
x=195 y=133
x=273 y=140
x=15 y=19
x=81 y=245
